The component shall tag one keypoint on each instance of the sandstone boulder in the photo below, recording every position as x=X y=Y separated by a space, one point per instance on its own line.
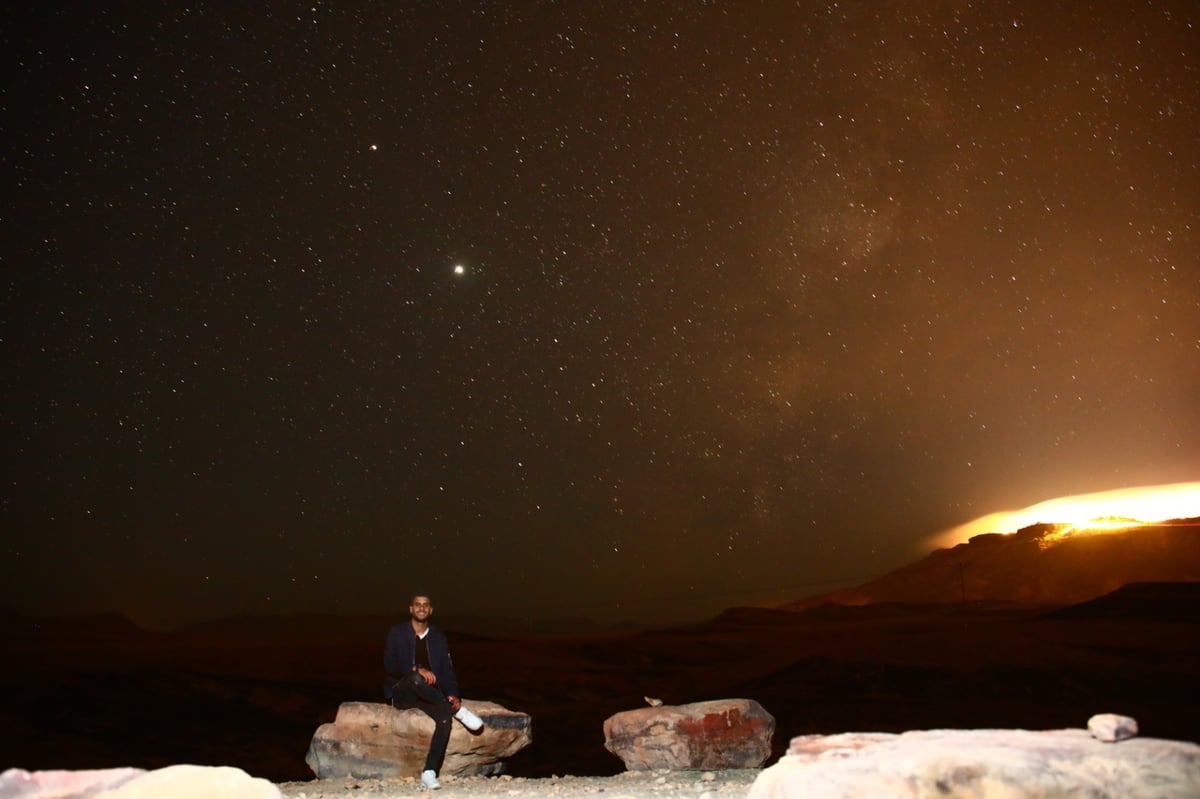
x=980 y=764
x=376 y=741
x=172 y=782
x=720 y=734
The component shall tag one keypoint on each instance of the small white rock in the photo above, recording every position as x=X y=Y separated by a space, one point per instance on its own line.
x=1112 y=727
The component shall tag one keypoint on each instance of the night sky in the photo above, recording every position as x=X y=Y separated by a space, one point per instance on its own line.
x=621 y=310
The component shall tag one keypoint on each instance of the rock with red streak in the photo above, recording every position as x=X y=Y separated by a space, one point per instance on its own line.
x=719 y=734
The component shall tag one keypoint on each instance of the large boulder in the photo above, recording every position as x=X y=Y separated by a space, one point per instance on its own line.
x=375 y=741
x=172 y=782
x=980 y=764
x=720 y=734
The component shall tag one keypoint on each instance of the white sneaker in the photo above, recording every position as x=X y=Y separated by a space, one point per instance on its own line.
x=429 y=781
x=469 y=719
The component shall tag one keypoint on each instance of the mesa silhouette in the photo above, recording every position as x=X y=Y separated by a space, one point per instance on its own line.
x=1039 y=564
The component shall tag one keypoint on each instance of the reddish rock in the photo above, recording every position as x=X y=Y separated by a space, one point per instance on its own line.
x=376 y=741
x=721 y=734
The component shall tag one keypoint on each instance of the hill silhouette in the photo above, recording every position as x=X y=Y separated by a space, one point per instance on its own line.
x=1151 y=602
x=1037 y=565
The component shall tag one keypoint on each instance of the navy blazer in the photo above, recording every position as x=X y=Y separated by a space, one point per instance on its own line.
x=399 y=658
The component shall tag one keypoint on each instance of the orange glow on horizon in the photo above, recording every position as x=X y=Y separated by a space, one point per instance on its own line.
x=1103 y=511
x=1106 y=523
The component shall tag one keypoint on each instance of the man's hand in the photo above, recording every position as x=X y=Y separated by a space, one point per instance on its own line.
x=455 y=702
x=427 y=675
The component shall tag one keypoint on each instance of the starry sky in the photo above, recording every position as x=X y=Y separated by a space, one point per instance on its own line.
x=620 y=310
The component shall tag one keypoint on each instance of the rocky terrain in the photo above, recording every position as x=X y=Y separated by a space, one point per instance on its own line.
x=660 y=784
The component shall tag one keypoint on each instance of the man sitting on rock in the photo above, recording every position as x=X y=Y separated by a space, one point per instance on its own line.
x=421 y=675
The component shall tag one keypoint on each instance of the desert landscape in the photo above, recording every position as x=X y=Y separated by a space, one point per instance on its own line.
x=98 y=692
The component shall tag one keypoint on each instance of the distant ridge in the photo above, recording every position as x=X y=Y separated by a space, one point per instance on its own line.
x=83 y=627
x=314 y=626
x=1034 y=566
x=330 y=629
x=1168 y=602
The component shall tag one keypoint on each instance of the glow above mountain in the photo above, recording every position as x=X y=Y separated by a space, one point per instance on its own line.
x=1117 y=509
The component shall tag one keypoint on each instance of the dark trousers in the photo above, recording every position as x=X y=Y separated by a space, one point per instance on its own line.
x=412 y=692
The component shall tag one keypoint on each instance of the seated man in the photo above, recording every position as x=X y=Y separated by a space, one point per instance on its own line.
x=421 y=675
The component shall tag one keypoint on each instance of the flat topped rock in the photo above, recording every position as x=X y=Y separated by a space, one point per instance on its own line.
x=981 y=764
x=720 y=734
x=370 y=740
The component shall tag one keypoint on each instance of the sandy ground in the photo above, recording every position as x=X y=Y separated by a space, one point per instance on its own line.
x=659 y=784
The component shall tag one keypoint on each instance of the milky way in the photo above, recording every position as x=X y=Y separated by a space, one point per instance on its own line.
x=579 y=309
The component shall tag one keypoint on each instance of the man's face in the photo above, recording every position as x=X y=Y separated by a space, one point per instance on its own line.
x=421 y=608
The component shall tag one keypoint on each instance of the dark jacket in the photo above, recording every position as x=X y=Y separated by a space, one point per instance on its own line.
x=399 y=657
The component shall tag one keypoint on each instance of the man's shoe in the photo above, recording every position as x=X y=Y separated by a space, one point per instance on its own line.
x=429 y=781
x=469 y=719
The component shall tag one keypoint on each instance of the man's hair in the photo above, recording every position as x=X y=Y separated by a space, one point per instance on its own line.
x=413 y=599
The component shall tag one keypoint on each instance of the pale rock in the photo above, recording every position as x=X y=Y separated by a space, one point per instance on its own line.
x=1111 y=727
x=719 y=734
x=194 y=782
x=16 y=783
x=980 y=764
x=369 y=740
x=172 y=782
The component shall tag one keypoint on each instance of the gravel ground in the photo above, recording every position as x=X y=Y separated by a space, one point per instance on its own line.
x=659 y=784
